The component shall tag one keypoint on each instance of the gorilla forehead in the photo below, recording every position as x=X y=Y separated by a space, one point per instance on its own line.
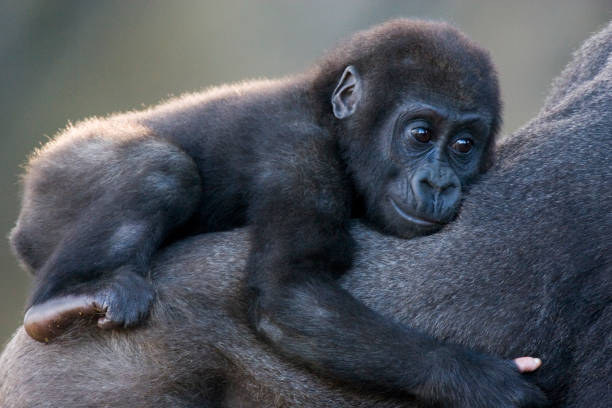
x=415 y=57
x=453 y=81
x=413 y=46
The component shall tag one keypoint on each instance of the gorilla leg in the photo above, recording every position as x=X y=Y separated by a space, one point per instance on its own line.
x=95 y=208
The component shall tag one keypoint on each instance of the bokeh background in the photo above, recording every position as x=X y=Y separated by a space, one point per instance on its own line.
x=66 y=60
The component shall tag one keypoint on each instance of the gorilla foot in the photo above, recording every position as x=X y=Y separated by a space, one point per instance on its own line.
x=121 y=301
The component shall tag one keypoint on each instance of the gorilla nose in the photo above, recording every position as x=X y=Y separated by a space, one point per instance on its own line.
x=437 y=193
x=440 y=185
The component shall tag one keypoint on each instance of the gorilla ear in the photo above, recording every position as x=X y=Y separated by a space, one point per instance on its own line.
x=347 y=94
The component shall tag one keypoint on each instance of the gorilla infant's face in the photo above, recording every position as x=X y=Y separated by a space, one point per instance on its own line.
x=433 y=152
x=412 y=161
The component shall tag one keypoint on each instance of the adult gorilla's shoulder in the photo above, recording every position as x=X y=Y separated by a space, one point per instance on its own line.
x=524 y=270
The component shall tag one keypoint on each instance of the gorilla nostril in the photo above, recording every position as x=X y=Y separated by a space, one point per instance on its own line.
x=448 y=187
x=427 y=184
x=439 y=185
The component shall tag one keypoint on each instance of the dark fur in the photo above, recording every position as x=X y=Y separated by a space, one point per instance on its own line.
x=294 y=158
x=524 y=270
x=105 y=194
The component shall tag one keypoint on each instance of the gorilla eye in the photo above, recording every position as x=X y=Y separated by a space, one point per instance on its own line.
x=463 y=145
x=422 y=134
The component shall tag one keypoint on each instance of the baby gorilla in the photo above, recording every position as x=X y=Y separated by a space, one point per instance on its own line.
x=390 y=126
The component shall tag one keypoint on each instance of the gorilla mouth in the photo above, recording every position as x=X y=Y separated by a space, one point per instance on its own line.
x=413 y=218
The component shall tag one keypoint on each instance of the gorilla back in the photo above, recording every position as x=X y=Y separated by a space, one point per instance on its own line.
x=525 y=268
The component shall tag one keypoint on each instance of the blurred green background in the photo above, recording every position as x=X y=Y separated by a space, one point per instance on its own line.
x=66 y=60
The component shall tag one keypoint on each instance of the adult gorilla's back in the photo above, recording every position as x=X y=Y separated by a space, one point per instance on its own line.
x=525 y=270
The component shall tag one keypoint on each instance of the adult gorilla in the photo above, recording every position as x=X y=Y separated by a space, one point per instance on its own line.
x=524 y=270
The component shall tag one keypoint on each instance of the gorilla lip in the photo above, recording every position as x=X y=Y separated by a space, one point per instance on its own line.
x=412 y=218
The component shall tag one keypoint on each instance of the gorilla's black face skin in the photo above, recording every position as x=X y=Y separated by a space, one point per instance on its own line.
x=434 y=153
x=429 y=151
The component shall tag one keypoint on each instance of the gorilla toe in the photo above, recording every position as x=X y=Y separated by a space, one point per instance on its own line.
x=122 y=300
